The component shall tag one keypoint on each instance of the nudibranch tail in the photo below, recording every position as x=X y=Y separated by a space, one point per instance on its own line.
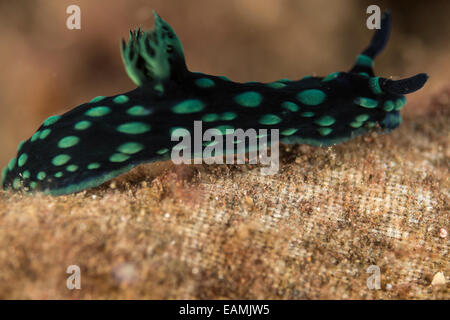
x=108 y=136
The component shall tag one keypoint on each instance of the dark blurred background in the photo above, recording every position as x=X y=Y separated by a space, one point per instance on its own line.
x=47 y=69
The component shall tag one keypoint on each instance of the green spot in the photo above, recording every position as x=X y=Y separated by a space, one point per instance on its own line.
x=289 y=132
x=325 y=121
x=72 y=168
x=60 y=160
x=51 y=120
x=210 y=117
x=307 y=77
x=331 y=76
x=130 y=147
x=307 y=114
x=228 y=116
x=269 y=119
x=224 y=78
x=364 y=74
x=162 y=151
x=138 y=111
x=35 y=136
x=59 y=174
x=290 y=106
x=249 y=99
x=223 y=129
x=366 y=102
x=68 y=142
x=356 y=124
x=41 y=175
x=119 y=157
x=134 y=128
x=284 y=80
x=276 y=85
x=188 y=106
x=98 y=111
x=121 y=99
x=33 y=185
x=93 y=165
x=20 y=145
x=400 y=103
x=26 y=174
x=363 y=60
x=12 y=164
x=44 y=134
x=389 y=106
x=324 y=131
x=22 y=159
x=16 y=183
x=204 y=83
x=362 y=117
x=97 y=99
x=82 y=125
x=311 y=97
x=374 y=85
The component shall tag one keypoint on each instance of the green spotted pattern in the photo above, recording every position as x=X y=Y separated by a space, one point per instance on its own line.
x=400 y=103
x=98 y=111
x=289 y=132
x=363 y=60
x=324 y=131
x=121 y=99
x=210 y=117
x=131 y=147
x=138 y=111
x=188 y=106
x=82 y=125
x=68 y=142
x=291 y=106
x=311 y=97
x=22 y=159
x=72 y=168
x=51 y=120
x=366 y=102
x=59 y=174
x=204 y=83
x=374 y=85
x=249 y=99
x=331 y=76
x=60 y=159
x=97 y=99
x=41 y=175
x=119 y=157
x=162 y=151
x=307 y=114
x=26 y=174
x=269 y=119
x=228 y=116
x=389 y=106
x=35 y=136
x=93 y=165
x=276 y=85
x=134 y=128
x=44 y=133
x=325 y=121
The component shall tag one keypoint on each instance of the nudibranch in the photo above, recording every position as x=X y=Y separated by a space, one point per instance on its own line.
x=108 y=136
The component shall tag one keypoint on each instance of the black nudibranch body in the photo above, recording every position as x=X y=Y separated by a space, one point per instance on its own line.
x=108 y=136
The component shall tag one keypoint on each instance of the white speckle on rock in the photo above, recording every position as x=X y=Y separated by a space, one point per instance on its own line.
x=438 y=279
x=443 y=233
